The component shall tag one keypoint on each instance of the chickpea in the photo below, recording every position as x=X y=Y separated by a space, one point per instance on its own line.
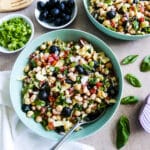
x=32 y=98
x=59 y=108
x=38 y=119
x=77 y=87
x=49 y=114
x=88 y=110
x=93 y=96
x=77 y=113
x=78 y=98
x=55 y=112
x=43 y=47
x=30 y=113
x=85 y=105
x=85 y=89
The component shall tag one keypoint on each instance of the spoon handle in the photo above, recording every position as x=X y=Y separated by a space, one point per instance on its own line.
x=63 y=139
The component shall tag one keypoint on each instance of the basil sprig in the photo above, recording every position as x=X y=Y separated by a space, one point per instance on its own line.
x=145 y=65
x=129 y=59
x=123 y=131
x=129 y=100
x=134 y=81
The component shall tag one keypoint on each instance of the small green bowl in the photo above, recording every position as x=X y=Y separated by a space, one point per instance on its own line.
x=109 y=32
x=17 y=73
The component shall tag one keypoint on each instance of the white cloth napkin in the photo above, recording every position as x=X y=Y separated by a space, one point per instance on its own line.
x=14 y=135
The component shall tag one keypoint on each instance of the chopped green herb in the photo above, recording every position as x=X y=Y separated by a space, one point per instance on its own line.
x=65 y=72
x=78 y=107
x=14 y=33
x=78 y=79
x=91 y=64
x=135 y=25
x=92 y=81
x=40 y=102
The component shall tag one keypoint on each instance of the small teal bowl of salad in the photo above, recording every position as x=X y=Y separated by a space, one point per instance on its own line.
x=119 y=19
x=16 y=32
x=64 y=76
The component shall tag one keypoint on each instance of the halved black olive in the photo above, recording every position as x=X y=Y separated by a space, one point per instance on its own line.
x=69 y=81
x=60 y=129
x=66 y=112
x=111 y=14
x=54 y=49
x=25 y=108
x=80 y=69
x=112 y=91
x=43 y=95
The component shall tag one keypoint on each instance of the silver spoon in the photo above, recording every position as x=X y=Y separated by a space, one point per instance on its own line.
x=88 y=120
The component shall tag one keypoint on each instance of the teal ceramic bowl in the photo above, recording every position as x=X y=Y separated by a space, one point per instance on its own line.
x=108 y=31
x=17 y=73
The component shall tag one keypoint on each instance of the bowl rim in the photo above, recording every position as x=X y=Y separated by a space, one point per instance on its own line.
x=48 y=26
x=28 y=20
x=125 y=36
x=75 y=136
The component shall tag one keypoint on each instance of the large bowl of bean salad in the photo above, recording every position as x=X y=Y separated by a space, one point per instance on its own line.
x=121 y=19
x=62 y=77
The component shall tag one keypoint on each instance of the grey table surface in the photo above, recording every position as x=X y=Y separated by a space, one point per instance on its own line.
x=105 y=138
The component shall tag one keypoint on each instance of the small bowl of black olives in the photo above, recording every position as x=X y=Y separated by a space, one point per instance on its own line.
x=55 y=14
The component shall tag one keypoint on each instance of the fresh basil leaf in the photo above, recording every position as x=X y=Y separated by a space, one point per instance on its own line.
x=123 y=131
x=129 y=59
x=133 y=80
x=145 y=65
x=129 y=100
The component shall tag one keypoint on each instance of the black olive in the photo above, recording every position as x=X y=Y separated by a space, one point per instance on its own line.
x=94 y=115
x=55 y=49
x=54 y=2
x=67 y=18
x=121 y=11
x=60 y=129
x=112 y=91
x=70 y=3
x=96 y=64
x=135 y=1
x=62 y=6
x=40 y=6
x=50 y=19
x=58 y=22
x=69 y=81
x=66 y=112
x=80 y=69
x=43 y=95
x=68 y=11
x=55 y=73
x=111 y=14
x=45 y=86
x=125 y=23
x=25 y=108
x=87 y=72
x=90 y=86
x=55 y=12
x=43 y=15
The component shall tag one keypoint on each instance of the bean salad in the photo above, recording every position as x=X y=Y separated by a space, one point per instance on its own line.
x=64 y=82
x=125 y=16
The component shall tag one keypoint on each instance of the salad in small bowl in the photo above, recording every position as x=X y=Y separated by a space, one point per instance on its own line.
x=127 y=20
